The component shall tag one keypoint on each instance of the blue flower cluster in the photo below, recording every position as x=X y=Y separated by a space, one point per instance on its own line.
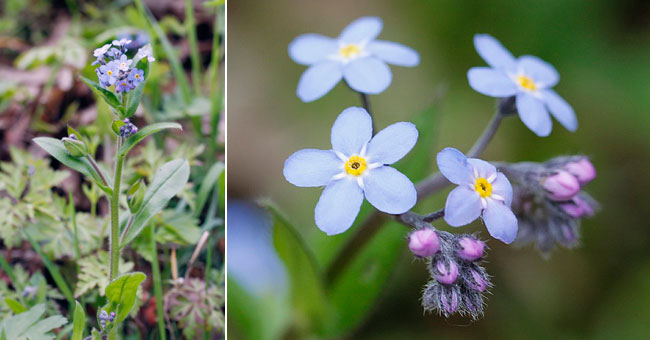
x=115 y=67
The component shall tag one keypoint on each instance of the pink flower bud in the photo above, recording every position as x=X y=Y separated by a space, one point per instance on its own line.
x=478 y=282
x=447 y=272
x=583 y=170
x=471 y=249
x=449 y=304
x=577 y=208
x=561 y=186
x=424 y=242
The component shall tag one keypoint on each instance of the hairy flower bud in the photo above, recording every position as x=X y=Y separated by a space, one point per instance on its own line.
x=449 y=301
x=477 y=281
x=75 y=147
x=446 y=271
x=561 y=186
x=578 y=208
x=582 y=169
x=471 y=249
x=424 y=242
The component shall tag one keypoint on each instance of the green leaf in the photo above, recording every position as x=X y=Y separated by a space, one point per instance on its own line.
x=167 y=182
x=96 y=335
x=15 y=306
x=93 y=273
x=366 y=275
x=209 y=183
x=72 y=131
x=121 y=294
x=56 y=148
x=307 y=291
x=116 y=125
x=144 y=132
x=262 y=317
x=133 y=101
x=76 y=148
x=79 y=322
x=108 y=96
x=28 y=325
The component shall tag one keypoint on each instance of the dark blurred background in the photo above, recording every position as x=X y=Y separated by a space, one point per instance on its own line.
x=600 y=290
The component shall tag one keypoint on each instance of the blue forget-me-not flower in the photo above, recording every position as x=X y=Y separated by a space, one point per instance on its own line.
x=355 y=56
x=482 y=191
x=357 y=165
x=527 y=78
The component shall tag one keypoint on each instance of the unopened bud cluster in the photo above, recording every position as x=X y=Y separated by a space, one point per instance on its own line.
x=128 y=129
x=549 y=201
x=104 y=317
x=458 y=281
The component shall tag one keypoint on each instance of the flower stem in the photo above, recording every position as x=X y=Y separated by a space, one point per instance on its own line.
x=157 y=286
x=365 y=101
x=97 y=170
x=115 y=214
x=425 y=188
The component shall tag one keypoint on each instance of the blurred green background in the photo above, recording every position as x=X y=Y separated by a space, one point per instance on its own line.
x=600 y=290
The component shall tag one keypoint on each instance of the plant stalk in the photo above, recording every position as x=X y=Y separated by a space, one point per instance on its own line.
x=157 y=287
x=115 y=214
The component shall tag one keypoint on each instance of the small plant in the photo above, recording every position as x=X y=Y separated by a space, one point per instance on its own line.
x=121 y=77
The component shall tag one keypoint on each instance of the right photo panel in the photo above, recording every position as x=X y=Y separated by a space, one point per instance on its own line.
x=450 y=169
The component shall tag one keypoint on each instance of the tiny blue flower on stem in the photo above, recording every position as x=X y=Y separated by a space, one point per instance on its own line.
x=357 y=165
x=99 y=52
x=121 y=42
x=108 y=74
x=482 y=191
x=528 y=79
x=124 y=63
x=136 y=76
x=354 y=56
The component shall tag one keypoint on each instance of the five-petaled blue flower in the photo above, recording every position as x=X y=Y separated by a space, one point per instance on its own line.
x=108 y=73
x=124 y=63
x=356 y=165
x=482 y=191
x=99 y=52
x=354 y=56
x=528 y=78
x=136 y=76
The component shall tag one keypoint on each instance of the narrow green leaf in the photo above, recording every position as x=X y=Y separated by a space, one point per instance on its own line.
x=15 y=306
x=108 y=96
x=56 y=148
x=209 y=183
x=307 y=291
x=72 y=131
x=166 y=183
x=144 y=132
x=121 y=294
x=79 y=322
x=133 y=101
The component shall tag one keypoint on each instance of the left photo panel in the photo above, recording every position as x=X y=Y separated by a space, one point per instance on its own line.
x=112 y=169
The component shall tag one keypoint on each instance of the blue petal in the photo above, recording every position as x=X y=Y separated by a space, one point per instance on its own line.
x=463 y=206
x=453 y=165
x=392 y=143
x=491 y=82
x=491 y=50
x=501 y=223
x=502 y=187
x=361 y=30
x=312 y=168
x=394 y=53
x=483 y=168
x=543 y=74
x=533 y=114
x=311 y=48
x=351 y=131
x=252 y=259
x=338 y=206
x=389 y=190
x=560 y=109
x=367 y=75
x=318 y=79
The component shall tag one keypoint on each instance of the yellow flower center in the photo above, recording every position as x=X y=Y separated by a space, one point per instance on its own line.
x=109 y=72
x=483 y=187
x=350 y=50
x=355 y=165
x=526 y=83
x=137 y=76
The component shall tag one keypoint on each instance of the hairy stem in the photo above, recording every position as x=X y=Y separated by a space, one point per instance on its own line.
x=115 y=214
x=425 y=188
x=157 y=286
